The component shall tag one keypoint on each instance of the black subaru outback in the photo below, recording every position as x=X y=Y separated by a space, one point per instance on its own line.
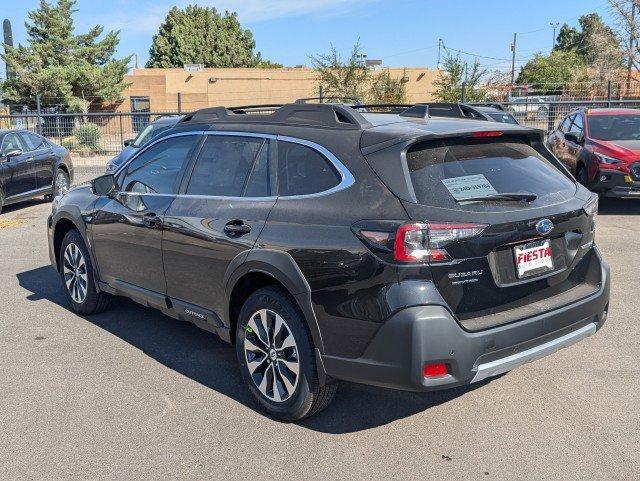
x=327 y=243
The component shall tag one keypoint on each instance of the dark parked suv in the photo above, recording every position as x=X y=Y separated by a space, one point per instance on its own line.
x=327 y=244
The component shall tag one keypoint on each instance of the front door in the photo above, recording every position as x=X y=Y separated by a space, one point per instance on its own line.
x=127 y=227
x=223 y=206
x=18 y=173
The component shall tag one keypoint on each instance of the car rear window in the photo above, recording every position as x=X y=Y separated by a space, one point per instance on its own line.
x=503 y=118
x=437 y=168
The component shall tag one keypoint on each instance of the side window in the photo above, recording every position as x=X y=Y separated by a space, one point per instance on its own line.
x=564 y=126
x=227 y=164
x=11 y=142
x=156 y=169
x=37 y=141
x=27 y=141
x=259 y=181
x=577 y=125
x=303 y=170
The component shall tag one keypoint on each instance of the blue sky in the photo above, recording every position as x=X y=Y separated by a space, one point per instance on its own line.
x=401 y=32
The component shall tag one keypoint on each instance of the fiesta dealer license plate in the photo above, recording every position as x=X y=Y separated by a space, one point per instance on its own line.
x=533 y=258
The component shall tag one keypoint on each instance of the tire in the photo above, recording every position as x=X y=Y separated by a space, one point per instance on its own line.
x=1 y=199
x=299 y=395
x=77 y=276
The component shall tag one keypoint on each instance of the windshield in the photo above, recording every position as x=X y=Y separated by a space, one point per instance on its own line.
x=445 y=173
x=503 y=118
x=614 y=127
x=149 y=132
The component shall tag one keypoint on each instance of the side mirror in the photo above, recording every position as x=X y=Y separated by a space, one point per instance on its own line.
x=128 y=142
x=574 y=137
x=12 y=153
x=103 y=185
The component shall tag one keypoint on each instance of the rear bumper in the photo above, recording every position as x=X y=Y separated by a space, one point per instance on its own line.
x=422 y=335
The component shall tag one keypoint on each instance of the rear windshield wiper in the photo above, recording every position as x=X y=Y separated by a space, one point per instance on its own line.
x=526 y=196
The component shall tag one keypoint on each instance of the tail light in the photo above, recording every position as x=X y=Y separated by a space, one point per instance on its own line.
x=426 y=242
x=485 y=134
x=438 y=369
x=591 y=209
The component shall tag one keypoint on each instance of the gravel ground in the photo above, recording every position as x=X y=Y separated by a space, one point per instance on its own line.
x=131 y=393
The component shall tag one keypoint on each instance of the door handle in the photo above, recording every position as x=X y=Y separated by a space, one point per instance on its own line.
x=236 y=228
x=151 y=220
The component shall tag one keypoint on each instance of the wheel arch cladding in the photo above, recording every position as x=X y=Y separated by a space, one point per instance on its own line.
x=61 y=228
x=265 y=267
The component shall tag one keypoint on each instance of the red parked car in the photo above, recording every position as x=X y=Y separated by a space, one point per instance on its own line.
x=602 y=149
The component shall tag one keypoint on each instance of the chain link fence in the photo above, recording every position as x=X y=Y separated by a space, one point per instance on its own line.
x=93 y=138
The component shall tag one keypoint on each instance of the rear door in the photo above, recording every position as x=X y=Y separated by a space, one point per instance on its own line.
x=18 y=173
x=529 y=253
x=558 y=143
x=574 y=148
x=222 y=207
x=43 y=158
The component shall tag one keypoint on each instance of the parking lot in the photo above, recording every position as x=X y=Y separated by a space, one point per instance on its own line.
x=131 y=392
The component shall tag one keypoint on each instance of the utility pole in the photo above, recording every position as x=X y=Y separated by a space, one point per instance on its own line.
x=513 y=58
x=554 y=25
x=632 y=40
x=440 y=44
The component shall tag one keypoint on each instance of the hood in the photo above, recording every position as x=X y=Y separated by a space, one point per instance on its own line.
x=625 y=150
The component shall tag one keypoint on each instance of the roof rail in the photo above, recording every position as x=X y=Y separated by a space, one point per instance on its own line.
x=381 y=108
x=495 y=105
x=313 y=115
x=331 y=99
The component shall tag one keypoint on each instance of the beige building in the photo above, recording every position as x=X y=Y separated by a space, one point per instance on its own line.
x=160 y=90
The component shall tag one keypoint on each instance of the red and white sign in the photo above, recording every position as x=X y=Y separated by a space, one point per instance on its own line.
x=534 y=257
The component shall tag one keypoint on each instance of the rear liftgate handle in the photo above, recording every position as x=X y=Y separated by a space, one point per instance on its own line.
x=236 y=228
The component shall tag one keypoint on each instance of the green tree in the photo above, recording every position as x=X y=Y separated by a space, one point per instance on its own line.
x=201 y=35
x=550 y=73
x=449 y=83
x=76 y=71
x=342 y=79
x=568 y=39
x=596 y=43
x=386 y=90
x=352 y=79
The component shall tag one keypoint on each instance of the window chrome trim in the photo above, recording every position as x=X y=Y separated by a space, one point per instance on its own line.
x=347 y=178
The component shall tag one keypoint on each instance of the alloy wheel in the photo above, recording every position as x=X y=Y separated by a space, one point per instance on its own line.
x=62 y=183
x=75 y=273
x=271 y=354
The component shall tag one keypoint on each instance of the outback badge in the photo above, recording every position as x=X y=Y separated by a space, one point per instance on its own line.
x=544 y=226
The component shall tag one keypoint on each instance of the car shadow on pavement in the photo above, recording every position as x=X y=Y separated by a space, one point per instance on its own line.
x=204 y=358
x=18 y=206
x=611 y=206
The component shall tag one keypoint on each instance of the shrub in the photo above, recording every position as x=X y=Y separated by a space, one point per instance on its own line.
x=88 y=137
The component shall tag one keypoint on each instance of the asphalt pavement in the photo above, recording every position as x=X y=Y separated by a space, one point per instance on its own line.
x=133 y=394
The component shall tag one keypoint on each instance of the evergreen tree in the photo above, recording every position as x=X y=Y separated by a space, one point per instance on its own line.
x=76 y=71
x=200 y=35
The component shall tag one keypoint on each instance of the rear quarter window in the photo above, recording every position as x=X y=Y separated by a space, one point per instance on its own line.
x=303 y=170
x=510 y=166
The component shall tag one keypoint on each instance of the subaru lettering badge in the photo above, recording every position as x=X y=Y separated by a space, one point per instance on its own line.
x=544 y=226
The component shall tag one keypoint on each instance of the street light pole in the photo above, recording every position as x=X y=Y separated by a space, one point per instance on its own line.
x=513 y=58
x=554 y=25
